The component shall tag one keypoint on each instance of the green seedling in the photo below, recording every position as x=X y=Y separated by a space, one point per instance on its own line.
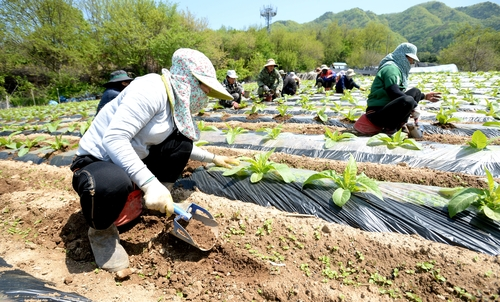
x=27 y=144
x=352 y=114
x=413 y=297
x=9 y=140
x=332 y=138
x=72 y=127
x=348 y=97
x=243 y=104
x=321 y=115
x=308 y=107
x=486 y=201
x=261 y=165
x=393 y=293
x=305 y=268
x=52 y=127
x=217 y=106
x=349 y=182
x=59 y=143
x=256 y=108
x=232 y=132
x=272 y=133
x=446 y=116
x=437 y=276
x=203 y=127
x=85 y=126
x=376 y=278
x=479 y=140
x=282 y=109
x=337 y=107
x=398 y=139
x=426 y=266
x=493 y=110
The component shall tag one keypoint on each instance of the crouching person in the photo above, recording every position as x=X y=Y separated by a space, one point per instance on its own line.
x=142 y=139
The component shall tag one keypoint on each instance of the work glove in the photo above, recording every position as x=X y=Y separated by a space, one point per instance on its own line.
x=415 y=115
x=157 y=197
x=225 y=161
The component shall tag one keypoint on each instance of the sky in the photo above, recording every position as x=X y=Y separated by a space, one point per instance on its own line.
x=243 y=14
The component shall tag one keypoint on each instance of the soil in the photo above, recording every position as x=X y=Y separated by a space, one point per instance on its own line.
x=258 y=254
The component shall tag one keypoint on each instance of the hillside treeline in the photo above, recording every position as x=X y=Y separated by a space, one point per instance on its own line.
x=53 y=48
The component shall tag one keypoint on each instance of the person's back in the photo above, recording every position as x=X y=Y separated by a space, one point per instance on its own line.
x=289 y=85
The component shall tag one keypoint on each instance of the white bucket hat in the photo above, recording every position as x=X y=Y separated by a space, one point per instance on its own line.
x=350 y=73
x=232 y=74
x=271 y=62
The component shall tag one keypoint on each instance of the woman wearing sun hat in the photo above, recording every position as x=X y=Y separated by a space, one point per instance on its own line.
x=142 y=139
x=346 y=81
x=389 y=104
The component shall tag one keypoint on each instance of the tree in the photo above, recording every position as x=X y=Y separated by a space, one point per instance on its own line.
x=50 y=33
x=474 y=48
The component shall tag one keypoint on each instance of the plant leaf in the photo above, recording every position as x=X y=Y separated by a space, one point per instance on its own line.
x=462 y=201
x=22 y=151
x=233 y=170
x=256 y=177
x=492 y=214
x=316 y=176
x=478 y=140
x=341 y=196
x=285 y=172
x=370 y=185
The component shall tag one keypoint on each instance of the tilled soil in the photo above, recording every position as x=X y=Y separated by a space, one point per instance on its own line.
x=261 y=254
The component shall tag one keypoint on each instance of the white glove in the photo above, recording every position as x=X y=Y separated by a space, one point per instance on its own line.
x=157 y=197
x=225 y=161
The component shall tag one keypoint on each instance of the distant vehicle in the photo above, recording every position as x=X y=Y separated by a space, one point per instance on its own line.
x=339 y=65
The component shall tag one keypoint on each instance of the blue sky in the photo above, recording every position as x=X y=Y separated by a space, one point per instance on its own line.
x=243 y=14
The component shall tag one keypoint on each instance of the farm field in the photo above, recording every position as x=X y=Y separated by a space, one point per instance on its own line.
x=279 y=239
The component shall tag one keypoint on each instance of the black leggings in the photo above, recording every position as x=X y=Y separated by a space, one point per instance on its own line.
x=396 y=113
x=103 y=187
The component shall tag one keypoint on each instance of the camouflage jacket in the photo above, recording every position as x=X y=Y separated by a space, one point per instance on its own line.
x=272 y=80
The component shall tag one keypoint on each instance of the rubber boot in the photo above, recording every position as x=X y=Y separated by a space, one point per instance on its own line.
x=108 y=252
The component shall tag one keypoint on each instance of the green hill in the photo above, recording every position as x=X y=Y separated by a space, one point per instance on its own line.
x=429 y=25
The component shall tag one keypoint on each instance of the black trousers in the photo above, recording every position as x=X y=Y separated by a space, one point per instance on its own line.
x=103 y=187
x=396 y=113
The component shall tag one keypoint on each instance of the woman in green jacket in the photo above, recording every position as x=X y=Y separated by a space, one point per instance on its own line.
x=389 y=104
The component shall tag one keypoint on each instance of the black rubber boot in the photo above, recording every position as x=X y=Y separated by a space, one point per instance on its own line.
x=108 y=252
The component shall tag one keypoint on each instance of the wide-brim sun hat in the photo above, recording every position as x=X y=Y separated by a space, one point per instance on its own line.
x=350 y=73
x=271 y=62
x=410 y=50
x=118 y=76
x=183 y=81
x=323 y=67
x=232 y=74
x=282 y=72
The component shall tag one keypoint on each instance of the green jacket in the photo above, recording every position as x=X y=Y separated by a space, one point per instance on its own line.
x=386 y=77
x=272 y=80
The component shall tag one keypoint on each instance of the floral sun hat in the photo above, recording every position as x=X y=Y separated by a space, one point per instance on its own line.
x=189 y=68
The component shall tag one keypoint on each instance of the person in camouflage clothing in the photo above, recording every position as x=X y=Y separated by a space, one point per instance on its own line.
x=269 y=81
x=234 y=88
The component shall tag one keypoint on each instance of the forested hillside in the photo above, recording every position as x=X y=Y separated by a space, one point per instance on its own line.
x=68 y=48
